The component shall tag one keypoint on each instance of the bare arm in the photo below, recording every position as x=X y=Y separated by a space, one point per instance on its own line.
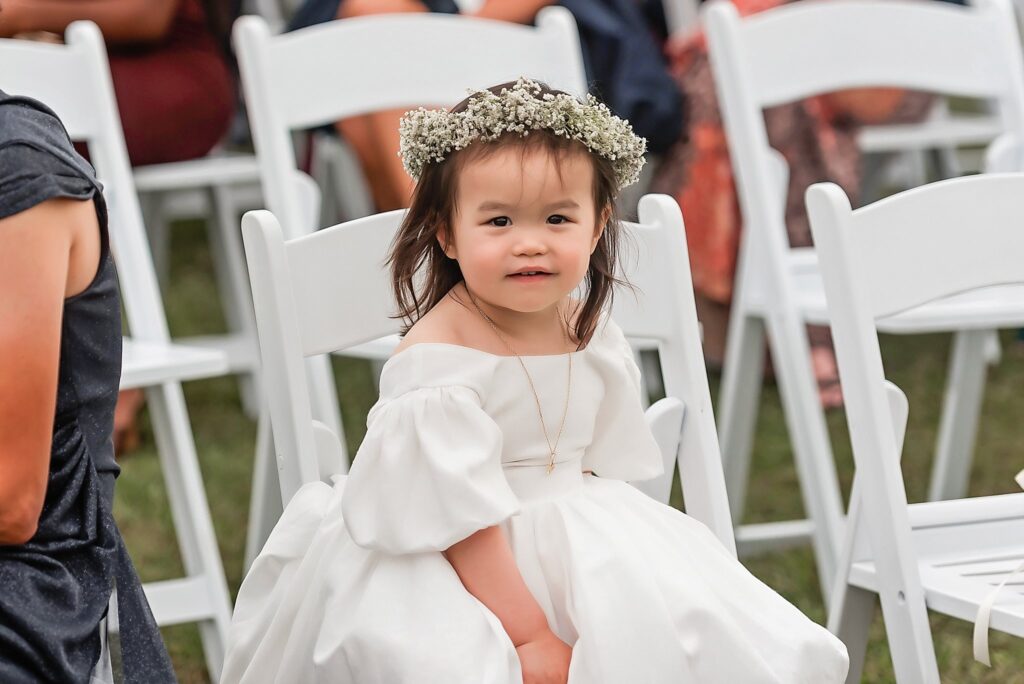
x=37 y=247
x=517 y=11
x=485 y=564
x=124 y=21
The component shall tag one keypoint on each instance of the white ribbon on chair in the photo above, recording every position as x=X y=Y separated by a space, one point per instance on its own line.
x=981 y=622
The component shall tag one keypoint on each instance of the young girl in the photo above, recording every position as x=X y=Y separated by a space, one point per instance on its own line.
x=486 y=533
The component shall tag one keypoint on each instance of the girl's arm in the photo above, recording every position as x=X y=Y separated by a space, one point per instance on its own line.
x=37 y=247
x=517 y=11
x=485 y=564
x=124 y=21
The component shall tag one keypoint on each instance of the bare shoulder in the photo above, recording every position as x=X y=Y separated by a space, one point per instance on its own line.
x=443 y=324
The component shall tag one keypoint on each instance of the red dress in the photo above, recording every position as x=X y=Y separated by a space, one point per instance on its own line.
x=176 y=97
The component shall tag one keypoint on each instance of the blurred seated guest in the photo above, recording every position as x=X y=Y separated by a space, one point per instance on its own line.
x=60 y=362
x=174 y=88
x=817 y=137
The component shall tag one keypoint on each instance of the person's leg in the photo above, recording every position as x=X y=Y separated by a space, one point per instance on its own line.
x=399 y=184
x=359 y=132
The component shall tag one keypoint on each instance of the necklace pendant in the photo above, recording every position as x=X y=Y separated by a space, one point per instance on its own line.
x=551 y=466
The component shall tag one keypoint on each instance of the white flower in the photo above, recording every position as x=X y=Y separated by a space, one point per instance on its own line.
x=431 y=135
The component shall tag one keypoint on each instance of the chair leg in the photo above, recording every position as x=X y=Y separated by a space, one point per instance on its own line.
x=348 y=187
x=853 y=610
x=324 y=399
x=910 y=638
x=739 y=398
x=233 y=284
x=191 y=514
x=265 y=502
x=812 y=449
x=961 y=409
x=158 y=233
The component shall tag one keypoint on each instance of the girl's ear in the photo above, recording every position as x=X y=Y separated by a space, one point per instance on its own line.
x=447 y=245
x=602 y=223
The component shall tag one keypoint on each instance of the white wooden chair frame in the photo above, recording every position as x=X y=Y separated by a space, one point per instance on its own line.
x=301 y=289
x=785 y=55
x=309 y=77
x=916 y=247
x=74 y=80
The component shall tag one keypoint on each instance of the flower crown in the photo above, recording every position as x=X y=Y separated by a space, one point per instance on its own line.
x=430 y=135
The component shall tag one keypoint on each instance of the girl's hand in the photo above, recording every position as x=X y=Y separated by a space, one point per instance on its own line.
x=545 y=659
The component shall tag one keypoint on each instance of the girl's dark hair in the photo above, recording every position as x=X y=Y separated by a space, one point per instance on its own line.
x=433 y=207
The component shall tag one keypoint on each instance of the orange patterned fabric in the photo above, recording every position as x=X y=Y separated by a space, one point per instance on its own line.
x=816 y=136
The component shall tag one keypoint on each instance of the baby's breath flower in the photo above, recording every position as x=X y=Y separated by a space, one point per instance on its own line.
x=431 y=135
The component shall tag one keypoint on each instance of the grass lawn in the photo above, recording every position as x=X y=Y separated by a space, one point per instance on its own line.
x=225 y=440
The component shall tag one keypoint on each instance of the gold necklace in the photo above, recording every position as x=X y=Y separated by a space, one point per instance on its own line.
x=552 y=448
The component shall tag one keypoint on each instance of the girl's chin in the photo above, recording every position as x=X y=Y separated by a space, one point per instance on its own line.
x=524 y=305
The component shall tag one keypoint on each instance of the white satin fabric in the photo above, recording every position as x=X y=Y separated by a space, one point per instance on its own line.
x=351 y=587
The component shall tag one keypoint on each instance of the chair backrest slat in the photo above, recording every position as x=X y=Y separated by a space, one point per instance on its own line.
x=429 y=48
x=930 y=242
x=344 y=295
x=794 y=52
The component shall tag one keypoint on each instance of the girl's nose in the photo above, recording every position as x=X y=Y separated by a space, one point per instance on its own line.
x=530 y=243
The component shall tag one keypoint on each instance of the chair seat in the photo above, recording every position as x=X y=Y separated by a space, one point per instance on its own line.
x=956 y=131
x=988 y=308
x=965 y=548
x=144 y=364
x=217 y=169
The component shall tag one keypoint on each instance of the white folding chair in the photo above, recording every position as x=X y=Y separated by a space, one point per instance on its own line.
x=310 y=77
x=788 y=54
x=305 y=289
x=916 y=247
x=74 y=80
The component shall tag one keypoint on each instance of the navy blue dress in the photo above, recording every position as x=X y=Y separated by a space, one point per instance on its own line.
x=55 y=588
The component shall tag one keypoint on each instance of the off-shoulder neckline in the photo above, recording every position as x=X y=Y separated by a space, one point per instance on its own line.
x=599 y=333
x=474 y=350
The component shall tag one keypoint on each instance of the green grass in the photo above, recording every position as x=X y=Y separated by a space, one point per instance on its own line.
x=225 y=441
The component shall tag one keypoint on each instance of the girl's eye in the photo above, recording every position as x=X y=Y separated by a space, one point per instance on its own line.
x=557 y=219
x=500 y=221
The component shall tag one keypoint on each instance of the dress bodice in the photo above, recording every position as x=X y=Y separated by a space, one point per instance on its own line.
x=456 y=436
x=509 y=401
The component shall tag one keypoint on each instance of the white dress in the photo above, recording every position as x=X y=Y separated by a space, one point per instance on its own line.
x=351 y=586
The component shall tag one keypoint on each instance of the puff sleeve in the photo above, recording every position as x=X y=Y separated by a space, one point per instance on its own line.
x=623 y=447
x=428 y=473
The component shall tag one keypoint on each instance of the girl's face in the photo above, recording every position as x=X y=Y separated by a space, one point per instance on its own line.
x=524 y=226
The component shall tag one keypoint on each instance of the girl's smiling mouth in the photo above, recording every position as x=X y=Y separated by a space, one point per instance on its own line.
x=530 y=274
